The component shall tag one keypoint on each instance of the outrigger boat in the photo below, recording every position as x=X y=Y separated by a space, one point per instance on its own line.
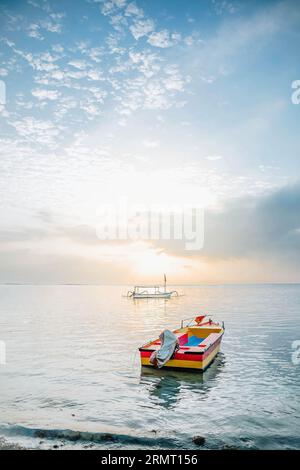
x=152 y=292
x=193 y=346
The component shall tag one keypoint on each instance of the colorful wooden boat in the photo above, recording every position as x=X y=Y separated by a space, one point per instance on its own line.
x=199 y=343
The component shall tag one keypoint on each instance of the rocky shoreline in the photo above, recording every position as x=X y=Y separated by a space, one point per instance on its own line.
x=4 y=445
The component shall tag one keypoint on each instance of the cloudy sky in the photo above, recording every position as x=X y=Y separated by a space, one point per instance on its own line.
x=159 y=102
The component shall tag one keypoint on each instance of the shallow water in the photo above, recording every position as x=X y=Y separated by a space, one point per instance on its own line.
x=73 y=378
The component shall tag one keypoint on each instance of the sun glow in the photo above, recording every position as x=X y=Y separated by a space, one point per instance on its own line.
x=152 y=263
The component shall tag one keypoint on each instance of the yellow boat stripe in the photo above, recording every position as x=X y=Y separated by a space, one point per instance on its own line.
x=200 y=365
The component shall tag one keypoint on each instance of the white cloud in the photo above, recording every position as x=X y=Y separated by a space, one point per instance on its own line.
x=57 y=75
x=133 y=10
x=174 y=83
x=39 y=131
x=141 y=28
x=95 y=54
x=53 y=23
x=111 y=6
x=98 y=93
x=51 y=26
x=34 y=31
x=214 y=158
x=42 y=94
x=91 y=109
x=224 y=6
x=134 y=78
x=58 y=48
x=78 y=64
x=163 y=39
x=146 y=63
x=155 y=97
x=174 y=80
x=95 y=75
x=151 y=143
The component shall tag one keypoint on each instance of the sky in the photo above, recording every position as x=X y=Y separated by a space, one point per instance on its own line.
x=166 y=103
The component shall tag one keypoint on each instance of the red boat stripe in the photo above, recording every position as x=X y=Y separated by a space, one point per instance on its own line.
x=145 y=353
x=186 y=356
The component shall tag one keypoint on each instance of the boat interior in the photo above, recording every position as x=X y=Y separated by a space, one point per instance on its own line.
x=192 y=338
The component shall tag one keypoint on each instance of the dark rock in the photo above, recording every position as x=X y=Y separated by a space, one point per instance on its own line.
x=108 y=437
x=40 y=434
x=75 y=437
x=199 y=440
x=55 y=446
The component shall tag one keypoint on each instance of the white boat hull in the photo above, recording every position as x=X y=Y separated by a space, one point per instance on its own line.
x=162 y=295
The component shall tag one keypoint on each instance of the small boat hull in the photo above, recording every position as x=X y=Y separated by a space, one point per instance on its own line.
x=190 y=355
x=200 y=363
x=151 y=292
x=162 y=295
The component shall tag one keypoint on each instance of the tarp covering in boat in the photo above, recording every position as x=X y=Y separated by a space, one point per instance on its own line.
x=169 y=344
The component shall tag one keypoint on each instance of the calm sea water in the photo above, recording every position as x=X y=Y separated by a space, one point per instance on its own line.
x=73 y=377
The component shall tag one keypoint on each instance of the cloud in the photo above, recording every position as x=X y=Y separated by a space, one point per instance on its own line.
x=163 y=39
x=95 y=54
x=254 y=228
x=141 y=28
x=222 y=52
x=34 y=31
x=133 y=10
x=51 y=24
x=151 y=143
x=111 y=6
x=78 y=64
x=26 y=266
x=41 y=94
x=37 y=130
x=224 y=6
x=3 y=72
x=174 y=80
x=146 y=63
x=58 y=48
x=214 y=158
x=248 y=239
x=133 y=78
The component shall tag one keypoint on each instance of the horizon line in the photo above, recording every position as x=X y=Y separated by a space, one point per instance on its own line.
x=130 y=284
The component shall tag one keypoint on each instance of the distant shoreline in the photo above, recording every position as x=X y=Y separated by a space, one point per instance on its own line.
x=172 y=285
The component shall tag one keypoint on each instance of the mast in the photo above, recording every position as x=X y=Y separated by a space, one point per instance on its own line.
x=165 y=277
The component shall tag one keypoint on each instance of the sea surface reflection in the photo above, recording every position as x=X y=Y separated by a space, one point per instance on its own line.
x=73 y=372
